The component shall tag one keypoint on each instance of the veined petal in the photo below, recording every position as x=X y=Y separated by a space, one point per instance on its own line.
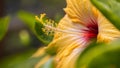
x=81 y=11
x=74 y=33
x=69 y=61
x=107 y=31
x=68 y=42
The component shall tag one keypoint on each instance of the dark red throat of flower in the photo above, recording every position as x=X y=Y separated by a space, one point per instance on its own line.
x=91 y=31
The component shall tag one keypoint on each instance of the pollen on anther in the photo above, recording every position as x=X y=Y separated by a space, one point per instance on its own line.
x=48 y=24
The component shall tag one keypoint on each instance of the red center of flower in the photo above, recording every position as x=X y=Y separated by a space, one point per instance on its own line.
x=92 y=30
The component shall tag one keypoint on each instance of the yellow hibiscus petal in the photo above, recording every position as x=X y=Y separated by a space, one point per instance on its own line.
x=80 y=11
x=107 y=31
x=67 y=43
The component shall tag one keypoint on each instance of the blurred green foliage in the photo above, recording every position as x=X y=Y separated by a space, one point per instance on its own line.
x=28 y=19
x=4 y=22
x=29 y=62
x=23 y=60
x=25 y=37
x=14 y=60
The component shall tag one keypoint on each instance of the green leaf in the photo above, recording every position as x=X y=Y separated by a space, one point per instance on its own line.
x=4 y=22
x=91 y=45
x=49 y=64
x=103 y=56
x=30 y=63
x=13 y=61
x=110 y=9
x=27 y=18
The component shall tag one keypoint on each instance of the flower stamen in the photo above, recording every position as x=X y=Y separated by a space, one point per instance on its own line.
x=50 y=27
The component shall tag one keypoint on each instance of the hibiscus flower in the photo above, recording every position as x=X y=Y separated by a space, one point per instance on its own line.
x=81 y=23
